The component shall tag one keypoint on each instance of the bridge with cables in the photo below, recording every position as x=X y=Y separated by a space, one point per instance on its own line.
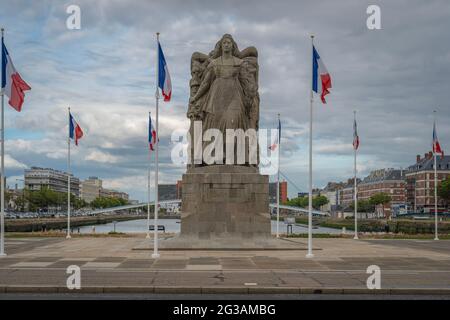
x=296 y=210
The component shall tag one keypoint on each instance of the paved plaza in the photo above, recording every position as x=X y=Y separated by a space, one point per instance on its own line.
x=120 y=265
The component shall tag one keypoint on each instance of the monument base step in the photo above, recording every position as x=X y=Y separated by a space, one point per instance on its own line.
x=223 y=244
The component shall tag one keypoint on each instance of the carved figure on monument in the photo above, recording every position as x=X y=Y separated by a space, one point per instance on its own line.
x=226 y=202
x=224 y=89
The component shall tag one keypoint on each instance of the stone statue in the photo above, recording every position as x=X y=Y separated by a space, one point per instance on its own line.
x=224 y=88
x=227 y=201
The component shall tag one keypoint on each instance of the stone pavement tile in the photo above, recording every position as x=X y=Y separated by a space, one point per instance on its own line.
x=305 y=264
x=188 y=278
x=169 y=264
x=65 y=263
x=4 y=262
x=45 y=259
x=269 y=263
x=94 y=264
x=297 y=279
x=237 y=263
x=336 y=279
x=343 y=265
x=203 y=260
x=204 y=267
x=239 y=278
x=110 y=259
x=26 y=264
x=34 y=277
x=78 y=258
x=113 y=278
x=137 y=263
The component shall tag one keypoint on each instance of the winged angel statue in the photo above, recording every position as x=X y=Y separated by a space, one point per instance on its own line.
x=224 y=88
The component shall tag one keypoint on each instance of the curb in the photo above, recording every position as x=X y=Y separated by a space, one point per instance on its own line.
x=224 y=290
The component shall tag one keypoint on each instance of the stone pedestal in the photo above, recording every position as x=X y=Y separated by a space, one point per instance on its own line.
x=225 y=201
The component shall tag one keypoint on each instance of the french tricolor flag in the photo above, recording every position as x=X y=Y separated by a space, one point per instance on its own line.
x=151 y=134
x=436 y=145
x=163 y=76
x=75 y=132
x=274 y=145
x=13 y=85
x=321 y=81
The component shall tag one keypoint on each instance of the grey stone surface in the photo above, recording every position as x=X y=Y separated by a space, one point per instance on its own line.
x=413 y=269
x=225 y=202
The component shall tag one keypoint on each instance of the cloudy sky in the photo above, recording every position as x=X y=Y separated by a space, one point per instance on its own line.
x=394 y=77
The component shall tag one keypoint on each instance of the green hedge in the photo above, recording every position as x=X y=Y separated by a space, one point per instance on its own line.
x=376 y=225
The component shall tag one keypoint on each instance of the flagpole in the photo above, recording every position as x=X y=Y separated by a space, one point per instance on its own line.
x=148 y=181
x=2 y=183
x=310 y=254
x=436 y=237
x=356 y=189
x=155 y=232
x=278 y=180
x=68 y=179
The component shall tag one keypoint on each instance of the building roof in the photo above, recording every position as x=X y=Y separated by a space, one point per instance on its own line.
x=384 y=175
x=427 y=164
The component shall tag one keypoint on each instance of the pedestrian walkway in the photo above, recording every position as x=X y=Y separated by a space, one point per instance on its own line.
x=111 y=264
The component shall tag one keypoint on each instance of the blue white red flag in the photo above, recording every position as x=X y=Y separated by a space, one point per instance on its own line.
x=274 y=145
x=436 y=145
x=355 y=136
x=75 y=132
x=151 y=134
x=321 y=80
x=13 y=85
x=163 y=76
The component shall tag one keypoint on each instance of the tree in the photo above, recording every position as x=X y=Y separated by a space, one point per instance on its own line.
x=106 y=202
x=363 y=206
x=444 y=190
x=380 y=199
x=303 y=202
x=319 y=201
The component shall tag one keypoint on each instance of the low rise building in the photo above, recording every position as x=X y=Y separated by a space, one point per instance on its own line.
x=347 y=193
x=37 y=178
x=273 y=192
x=420 y=182
x=109 y=193
x=90 y=189
x=388 y=181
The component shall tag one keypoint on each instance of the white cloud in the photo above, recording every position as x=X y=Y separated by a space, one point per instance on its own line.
x=103 y=157
x=11 y=163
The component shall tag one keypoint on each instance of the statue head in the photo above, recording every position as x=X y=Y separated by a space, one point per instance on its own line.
x=226 y=43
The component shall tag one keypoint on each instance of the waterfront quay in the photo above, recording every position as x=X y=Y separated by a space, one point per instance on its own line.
x=119 y=265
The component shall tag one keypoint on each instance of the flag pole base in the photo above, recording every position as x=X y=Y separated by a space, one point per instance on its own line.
x=155 y=255
x=147 y=236
x=2 y=254
x=436 y=238
x=310 y=256
x=68 y=236
x=355 y=237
